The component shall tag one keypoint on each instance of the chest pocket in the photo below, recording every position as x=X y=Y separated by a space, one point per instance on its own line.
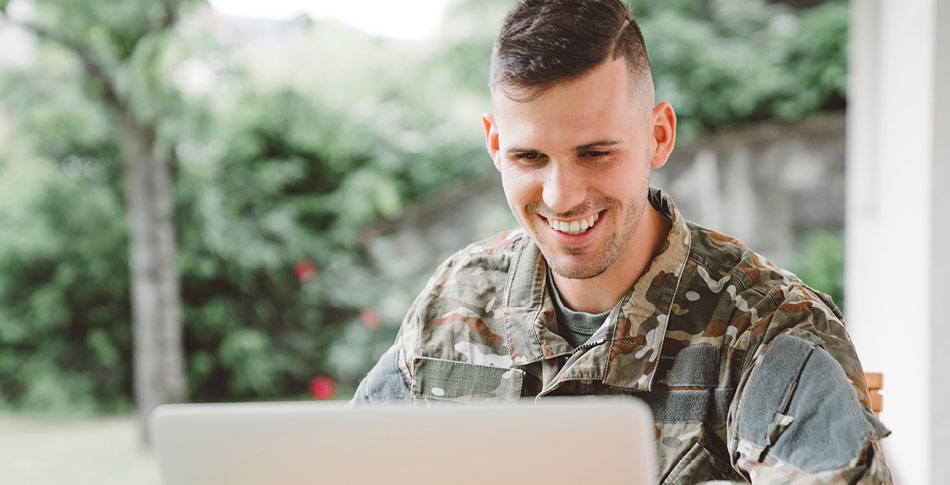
x=699 y=465
x=447 y=380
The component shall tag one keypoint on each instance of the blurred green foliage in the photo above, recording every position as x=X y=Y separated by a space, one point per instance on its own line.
x=723 y=63
x=820 y=263
x=286 y=150
x=65 y=323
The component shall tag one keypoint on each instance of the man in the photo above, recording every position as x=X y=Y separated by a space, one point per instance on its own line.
x=606 y=289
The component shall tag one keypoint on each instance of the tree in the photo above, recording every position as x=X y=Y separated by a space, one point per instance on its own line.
x=116 y=45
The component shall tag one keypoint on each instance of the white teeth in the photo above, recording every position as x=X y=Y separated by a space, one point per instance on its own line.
x=575 y=227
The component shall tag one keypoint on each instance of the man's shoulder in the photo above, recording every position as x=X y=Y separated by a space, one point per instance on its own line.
x=481 y=266
x=719 y=255
x=750 y=280
x=497 y=249
x=762 y=298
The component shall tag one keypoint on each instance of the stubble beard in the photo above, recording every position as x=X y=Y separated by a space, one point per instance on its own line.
x=568 y=267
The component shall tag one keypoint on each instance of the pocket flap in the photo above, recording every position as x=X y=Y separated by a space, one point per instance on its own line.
x=449 y=380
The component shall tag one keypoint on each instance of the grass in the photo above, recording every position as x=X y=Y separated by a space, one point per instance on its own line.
x=42 y=450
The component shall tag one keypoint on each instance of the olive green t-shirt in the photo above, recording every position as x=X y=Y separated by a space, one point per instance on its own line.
x=575 y=327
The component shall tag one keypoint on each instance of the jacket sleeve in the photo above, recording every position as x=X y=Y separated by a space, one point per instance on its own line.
x=802 y=412
x=385 y=383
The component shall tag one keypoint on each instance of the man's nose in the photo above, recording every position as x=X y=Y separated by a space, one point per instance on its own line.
x=564 y=189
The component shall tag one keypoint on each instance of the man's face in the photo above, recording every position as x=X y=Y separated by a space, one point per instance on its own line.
x=575 y=164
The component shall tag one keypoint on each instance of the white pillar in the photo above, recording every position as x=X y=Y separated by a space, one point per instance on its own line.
x=940 y=250
x=898 y=208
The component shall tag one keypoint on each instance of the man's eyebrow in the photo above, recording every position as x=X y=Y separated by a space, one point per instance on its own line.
x=514 y=150
x=596 y=144
x=580 y=148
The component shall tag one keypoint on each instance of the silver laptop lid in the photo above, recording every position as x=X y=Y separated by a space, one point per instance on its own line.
x=558 y=442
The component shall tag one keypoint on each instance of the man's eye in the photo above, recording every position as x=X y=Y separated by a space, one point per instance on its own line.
x=595 y=154
x=529 y=157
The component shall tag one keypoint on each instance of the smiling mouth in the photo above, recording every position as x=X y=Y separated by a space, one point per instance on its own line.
x=574 y=227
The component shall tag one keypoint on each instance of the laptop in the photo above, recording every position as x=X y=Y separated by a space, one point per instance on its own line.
x=564 y=441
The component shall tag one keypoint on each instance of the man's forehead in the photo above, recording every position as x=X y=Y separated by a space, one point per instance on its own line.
x=639 y=86
x=595 y=107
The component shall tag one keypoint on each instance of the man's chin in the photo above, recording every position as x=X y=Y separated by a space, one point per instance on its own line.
x=578 y=273
x=575 y=268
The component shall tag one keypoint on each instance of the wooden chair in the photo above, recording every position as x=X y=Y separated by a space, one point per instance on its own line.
x=875 y=382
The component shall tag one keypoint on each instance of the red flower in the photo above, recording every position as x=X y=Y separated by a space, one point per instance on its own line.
x=305 y=270
x=322 y=388
x=370 y=318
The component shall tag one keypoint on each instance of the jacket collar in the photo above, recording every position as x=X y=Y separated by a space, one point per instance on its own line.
x=625 y=351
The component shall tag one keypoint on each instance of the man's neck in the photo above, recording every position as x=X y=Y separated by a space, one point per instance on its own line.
x=602 y=292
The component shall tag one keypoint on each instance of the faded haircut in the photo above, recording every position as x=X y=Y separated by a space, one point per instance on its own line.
x=546 y=42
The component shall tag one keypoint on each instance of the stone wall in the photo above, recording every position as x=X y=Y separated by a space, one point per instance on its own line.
x=768 y=185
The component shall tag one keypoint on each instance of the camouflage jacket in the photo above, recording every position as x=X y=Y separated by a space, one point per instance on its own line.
x=749 y=372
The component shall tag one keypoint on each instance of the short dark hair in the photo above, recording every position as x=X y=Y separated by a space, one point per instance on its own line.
x=545 y=42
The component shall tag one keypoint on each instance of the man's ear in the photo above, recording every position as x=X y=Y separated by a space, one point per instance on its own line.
x=491 y=138
x=663 y=133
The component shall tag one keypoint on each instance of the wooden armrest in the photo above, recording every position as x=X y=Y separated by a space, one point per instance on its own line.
x=875 y=381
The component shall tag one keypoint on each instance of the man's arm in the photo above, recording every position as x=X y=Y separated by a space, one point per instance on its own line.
x=385 y=383
x=801 y=413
